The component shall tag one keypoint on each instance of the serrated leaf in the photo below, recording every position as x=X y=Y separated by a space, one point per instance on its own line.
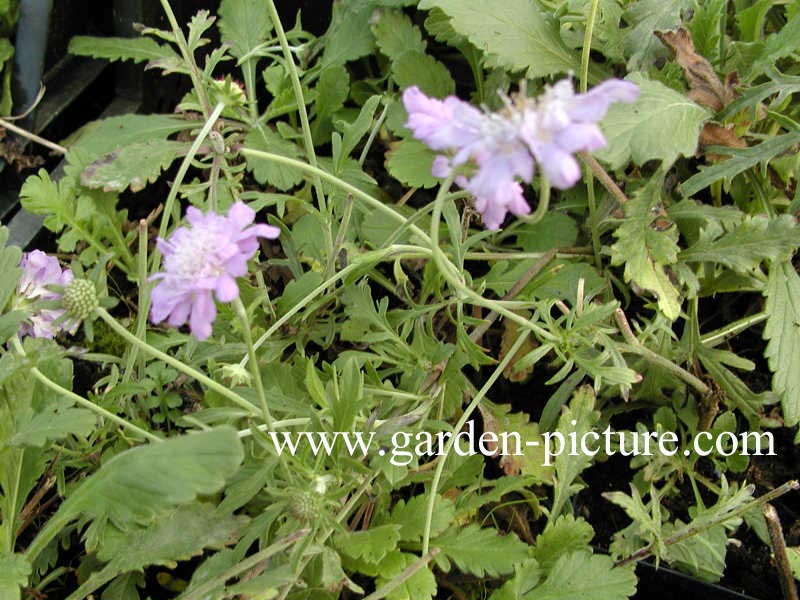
x=14 y=573
x=498 y=420
x=646 y=252
x=645 y=17
x=10 y=270
x=661 y=125
x=741 y=160
x=348 y=37
x=174 y=536
x=134 y=166
x=410 y=162
x=106 y=135
x=266 y=171
x=420 y=586
x=395 y=33
x=120 y=48
x=702 y=555
x=55 y=425
x=778 y=45
x=516 y=34
x=586 y=576
x=411 y=516
x=564 y=535
x=481 y=552
x=424 y=71
x=332 y=89
x=747 y=244
x=244 y=24
x=370 y=545
x=782 y=331
x=138 y=484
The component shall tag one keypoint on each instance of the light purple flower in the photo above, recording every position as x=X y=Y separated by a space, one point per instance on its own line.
x=503 y=147
x=39 y=271
x=203 y=261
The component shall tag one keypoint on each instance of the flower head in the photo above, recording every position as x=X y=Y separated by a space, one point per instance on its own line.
x=203 y=261
x=39 y=272
x=504 y=147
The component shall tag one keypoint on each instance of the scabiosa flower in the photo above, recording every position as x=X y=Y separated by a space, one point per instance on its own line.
x=504 y=147
x=39 y=272
x=203 y=261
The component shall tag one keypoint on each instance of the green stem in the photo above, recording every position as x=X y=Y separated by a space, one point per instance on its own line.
x=183 y=46
x=174 y=362
x=544 y=203
x=79 y=400
x=587 y=45
x=255 y=371
x=182 y=170
x=718 y=336
x=144 y=302
x=437 y=475
x=450 y=273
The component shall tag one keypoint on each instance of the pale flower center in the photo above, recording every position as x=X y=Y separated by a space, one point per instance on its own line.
x=194 y=256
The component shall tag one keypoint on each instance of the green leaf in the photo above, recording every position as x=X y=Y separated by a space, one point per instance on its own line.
x=661 y=125
x=778 y=45
x=174 y=536
x=349 y=36
x=564 y=535
x=480 y=552
x=747 y=244
x=134 y=166
x=9 y=268
x=794 y=560
x=55 y=425
x=554 y=230
x=411 y=517
x=120 y=48
x=516 y=34
x=370 y=545
x=410 y=162
x=586 y=576
x=420 y=586
x=353 y=132
x=645 y=17
x=332 y=89
x=244 y=24
x=741 y=160
x=265 y=171
x=395 y=34
x=646 y=252
x=424 y=71
x=782 y=331
x=104 y=136
x=14 y=573
x=702 y=555
x=137 y=485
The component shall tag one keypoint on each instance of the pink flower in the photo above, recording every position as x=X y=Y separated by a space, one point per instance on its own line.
x=40 y=271
x=203 y=261
x=504 y=147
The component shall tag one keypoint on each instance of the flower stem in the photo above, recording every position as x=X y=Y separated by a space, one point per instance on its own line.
x=437 y=475
x=174 y=362
x=587 y=45
x=144 y=302
x=81 y=401
x=241 y=313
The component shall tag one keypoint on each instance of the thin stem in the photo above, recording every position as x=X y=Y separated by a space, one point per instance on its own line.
x=186 y=53
x=298 y=96
x=788 y=586
x=182 y=170
x=604 y=177
x=587 y=45
x=634 y=346
x=174 y=362
x=404 y=575
x=33 y=137
x=689 y=531
x=544 y=203
x=79 y=400
x=437 y=475
x=718 y=336
x=337 y=244
x=255 y=371
x=144 y=302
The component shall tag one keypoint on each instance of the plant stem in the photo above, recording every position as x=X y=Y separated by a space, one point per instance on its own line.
x=690 y=531
x=174 y=362
x=604 y=177
x=33 y=137
x=144 y=302
x=587 y=44
x=437 y=475
x=241 y=312
x=182 y=170
x=183 y=46
x=81 y=401
x=788 y=586
x=715 y=338
x=398 y=579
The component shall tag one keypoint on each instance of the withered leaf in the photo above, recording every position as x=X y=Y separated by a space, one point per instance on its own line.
x=719 y=135
x=705 y=87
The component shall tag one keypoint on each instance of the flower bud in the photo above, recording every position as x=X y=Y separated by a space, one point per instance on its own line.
x=79 y=299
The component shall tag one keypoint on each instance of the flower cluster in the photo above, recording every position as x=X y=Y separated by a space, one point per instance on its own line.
x=40 y=272
x=204 y=260
x=505 y=146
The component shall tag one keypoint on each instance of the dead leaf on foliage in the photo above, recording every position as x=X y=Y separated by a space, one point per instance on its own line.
x=705 y=87
x=510 y=335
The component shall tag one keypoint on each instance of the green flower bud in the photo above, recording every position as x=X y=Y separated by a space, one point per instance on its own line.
x=79 y=299
x=304 y=506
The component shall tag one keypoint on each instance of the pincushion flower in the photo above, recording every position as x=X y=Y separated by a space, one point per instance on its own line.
x=41 y=271
x=504 y=147
x=203 y=261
